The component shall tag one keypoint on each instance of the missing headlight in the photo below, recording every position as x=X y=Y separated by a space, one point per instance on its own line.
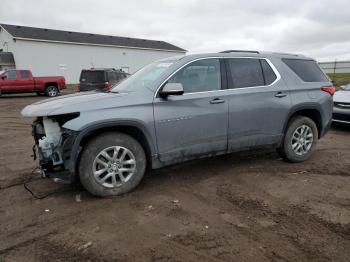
x=50 y=143
x=50 y=138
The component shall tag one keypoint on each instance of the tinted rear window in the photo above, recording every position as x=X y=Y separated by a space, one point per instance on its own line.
x=92 y=76
x=307 y=70
x=112 y=77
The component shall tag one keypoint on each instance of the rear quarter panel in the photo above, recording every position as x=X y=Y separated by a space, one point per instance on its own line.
x=307 y=95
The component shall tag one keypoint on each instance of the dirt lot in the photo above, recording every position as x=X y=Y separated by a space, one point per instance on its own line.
x=241 y=207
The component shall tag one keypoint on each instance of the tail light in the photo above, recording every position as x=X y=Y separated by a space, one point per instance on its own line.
x=328 y=89
x=108 y=85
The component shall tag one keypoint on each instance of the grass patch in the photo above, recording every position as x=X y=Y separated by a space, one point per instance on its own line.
x=71 y=88
x=340 y=78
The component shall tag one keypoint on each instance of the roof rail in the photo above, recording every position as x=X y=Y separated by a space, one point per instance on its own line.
x=240 y=51
x=280 y=53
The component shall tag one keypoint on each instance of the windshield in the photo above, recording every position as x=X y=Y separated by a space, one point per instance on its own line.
x=145 y=77
x=347 y=88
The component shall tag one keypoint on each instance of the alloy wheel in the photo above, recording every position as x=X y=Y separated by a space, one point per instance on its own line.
x=302 y=140
x=114 y=166
x=52 y=91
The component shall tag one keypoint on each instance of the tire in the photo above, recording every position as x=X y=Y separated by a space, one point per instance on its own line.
x=296 y=148
x=51 y=91
x=94 y=154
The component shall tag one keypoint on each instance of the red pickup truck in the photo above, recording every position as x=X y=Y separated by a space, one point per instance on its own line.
x=22 y=81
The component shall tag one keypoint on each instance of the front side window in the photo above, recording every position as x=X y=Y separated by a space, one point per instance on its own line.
x=11 y=75
x=199 y=76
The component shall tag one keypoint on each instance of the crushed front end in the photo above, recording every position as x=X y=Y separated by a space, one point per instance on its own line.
x=53 y=145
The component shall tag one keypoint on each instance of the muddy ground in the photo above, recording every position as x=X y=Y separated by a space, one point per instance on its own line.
x=241 y=207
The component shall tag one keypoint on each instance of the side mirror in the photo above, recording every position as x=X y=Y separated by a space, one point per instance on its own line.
x=171 y=89
x=3 y=77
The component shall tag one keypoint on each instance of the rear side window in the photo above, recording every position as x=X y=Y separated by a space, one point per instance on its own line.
x=246 y=72
x=25 y=74
x=269 y=74
x=92 y=76
x=307 y=70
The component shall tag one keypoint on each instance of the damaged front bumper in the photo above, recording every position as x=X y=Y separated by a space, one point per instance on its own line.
x=53 y=145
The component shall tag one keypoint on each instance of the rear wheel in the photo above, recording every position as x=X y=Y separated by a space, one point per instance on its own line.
x=112 y=164
x=51 y=91
x=300 y=140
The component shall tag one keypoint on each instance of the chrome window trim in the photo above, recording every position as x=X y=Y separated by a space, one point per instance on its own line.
x=274 y=69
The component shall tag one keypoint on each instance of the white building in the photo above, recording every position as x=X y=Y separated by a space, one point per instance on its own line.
x=53 y=52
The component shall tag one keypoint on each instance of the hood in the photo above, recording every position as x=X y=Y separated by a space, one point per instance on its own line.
x=342 y=96
x=80 y=102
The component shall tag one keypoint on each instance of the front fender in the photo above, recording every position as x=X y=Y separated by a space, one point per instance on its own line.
x=100 y=125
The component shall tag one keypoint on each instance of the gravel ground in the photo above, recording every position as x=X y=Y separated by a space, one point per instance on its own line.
x=249 y=206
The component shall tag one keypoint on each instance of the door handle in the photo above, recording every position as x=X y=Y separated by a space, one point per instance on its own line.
x=280 y=95
x=217 y=101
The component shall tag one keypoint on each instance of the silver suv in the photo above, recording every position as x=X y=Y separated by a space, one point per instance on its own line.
x=183 y=108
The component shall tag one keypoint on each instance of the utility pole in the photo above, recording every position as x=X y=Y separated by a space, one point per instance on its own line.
x=335 y=65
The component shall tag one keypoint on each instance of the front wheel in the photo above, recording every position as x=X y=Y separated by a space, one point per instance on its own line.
x=112 y=164
x=300 y=140
x=51 y=91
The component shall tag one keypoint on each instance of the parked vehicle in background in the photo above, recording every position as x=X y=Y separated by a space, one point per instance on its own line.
x=183 y=108
x=100 y=78
x=22 y=81
x=341 y=110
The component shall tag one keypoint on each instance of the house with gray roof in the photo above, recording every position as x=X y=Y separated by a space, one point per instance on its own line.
x=56 y=52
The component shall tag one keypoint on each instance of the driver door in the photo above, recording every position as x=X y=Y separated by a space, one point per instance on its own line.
x=11 y=82
x=193 y=124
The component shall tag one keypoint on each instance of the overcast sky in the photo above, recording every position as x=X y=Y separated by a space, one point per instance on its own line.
x=317 y=28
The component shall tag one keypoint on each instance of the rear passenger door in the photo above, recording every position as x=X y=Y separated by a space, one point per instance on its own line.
x=25 y=81
x=259 y=103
